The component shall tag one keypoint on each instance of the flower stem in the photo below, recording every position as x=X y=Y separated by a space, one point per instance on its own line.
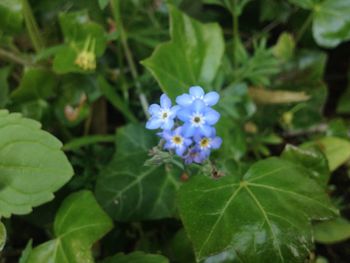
x=9 y=56
x=303 y=29
x=115 y=5
x=32 y=27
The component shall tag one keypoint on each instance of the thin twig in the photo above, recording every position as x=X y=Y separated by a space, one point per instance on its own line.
x=12 y=57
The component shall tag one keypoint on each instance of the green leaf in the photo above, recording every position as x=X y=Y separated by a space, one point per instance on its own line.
x=235 y=7
x=127 y=189
x=192 y=57
x=331 y=22
x=332 y=231
x=3 y=236
x=26 y=252
x=310 y=158
x=36 y=83
x=284 y=48
x=32 y=165
x=11 y=18
x=77 y=27
x=336 y=150
x=136 y=257
x=79 y=223
x=4 y=73
x=343 y=106
x=307 y=4
x=263 y=218
x=103 y=3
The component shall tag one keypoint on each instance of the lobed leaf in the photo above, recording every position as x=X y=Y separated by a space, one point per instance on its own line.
x=263 y=218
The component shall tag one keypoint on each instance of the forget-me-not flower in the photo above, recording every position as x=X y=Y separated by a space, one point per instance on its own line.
x=162 y=116
x=206 y=144
x=198 y=119
x=176 y=141
x=196 y=92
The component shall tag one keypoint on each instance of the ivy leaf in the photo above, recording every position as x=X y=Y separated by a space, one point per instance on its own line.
x=332 y=231
x=3 y=236
x=311 y=158
x=263 y=218
x=79 y=223
x=127 y=189
x=331 y=22
x=32 y=165
x=136 y=257
x=337 y=150
x=192 y=57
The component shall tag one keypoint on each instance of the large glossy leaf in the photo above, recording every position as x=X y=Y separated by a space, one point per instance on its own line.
x=129 y=190
x=192 y=57
x=337 y=150
x=331 y=24
x=332 y=231
x=136 y=257
x=79 y=223
x=32 y=165
x=263 y=218
x=311 y=158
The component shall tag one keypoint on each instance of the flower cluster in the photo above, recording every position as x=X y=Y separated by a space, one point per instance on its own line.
x=195 y=137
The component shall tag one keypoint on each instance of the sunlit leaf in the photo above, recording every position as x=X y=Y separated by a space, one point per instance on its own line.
x=332 y=231
x=32 y=165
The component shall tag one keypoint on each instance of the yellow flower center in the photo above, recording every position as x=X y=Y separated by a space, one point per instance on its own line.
x=204 y=143
x=177 y=140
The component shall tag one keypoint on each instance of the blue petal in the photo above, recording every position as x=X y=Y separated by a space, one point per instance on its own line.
x=178 y=131
x=174 y=110
x=184 y=100
x=167 y=145
x=211 y=116
x=180 y=150
x=187 y=141
x=216 y=143
x=165 y=102
x=153 y=123
x=168 y=124
x=198 y=105
x=206 y=130
x=188 y=130
x=211 y=98
x=153 y=109
x=167 y=135
x=184 y=114
x=196 y=91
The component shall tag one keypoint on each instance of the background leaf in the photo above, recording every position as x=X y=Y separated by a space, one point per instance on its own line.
x=127 y=189
x=192 y=57
x=136 y=257
x=79 y=223
x=32 y=165
x=3 y=236
x=332 y=231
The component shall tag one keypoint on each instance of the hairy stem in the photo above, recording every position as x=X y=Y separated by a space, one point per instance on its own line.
x=32 y=27
x=115 y=5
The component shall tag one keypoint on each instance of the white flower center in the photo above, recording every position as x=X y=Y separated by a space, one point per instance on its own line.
x=164 y=114
x=197 y=120
x=177 y=140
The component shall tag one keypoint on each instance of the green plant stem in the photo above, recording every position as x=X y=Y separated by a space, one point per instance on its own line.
x=303 y=29
x=115 y=5
x=235 y=34
x=12 y=57
x=32 y=27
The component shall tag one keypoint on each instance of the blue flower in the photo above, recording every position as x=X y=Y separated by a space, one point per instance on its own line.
x=194 y=156
x=198 y=119
x=162 y=116
x=206 y=144
x=196 y=92
x=176 y=141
